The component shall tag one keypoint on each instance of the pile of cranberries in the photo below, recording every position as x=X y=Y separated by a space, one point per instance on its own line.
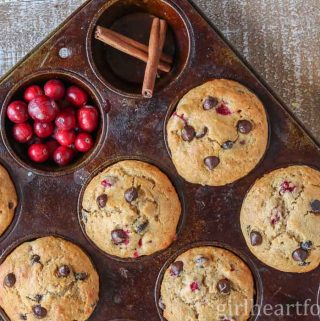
x=54 y=122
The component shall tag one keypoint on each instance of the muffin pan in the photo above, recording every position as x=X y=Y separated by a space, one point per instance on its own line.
x=135 y=128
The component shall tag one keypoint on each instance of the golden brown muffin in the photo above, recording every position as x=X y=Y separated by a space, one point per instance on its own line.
x=131 y=209
x=8 y=200
x=50 y=279
x=207 y=284
x=218 y=133
x=280 y=219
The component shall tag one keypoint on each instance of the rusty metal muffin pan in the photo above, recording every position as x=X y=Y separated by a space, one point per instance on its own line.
x=135 y=128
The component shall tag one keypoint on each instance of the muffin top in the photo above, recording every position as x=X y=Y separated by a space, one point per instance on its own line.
x=280 y=219
x=131 y=209
x=50 y=279
x=218 y=133
x=8 y=200
x=207 y=283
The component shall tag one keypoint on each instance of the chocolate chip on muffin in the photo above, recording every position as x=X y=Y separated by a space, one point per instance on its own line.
x=176 y=268
x=188 y=133
x=315 y=206
x=81 y=276
x=9 y=280
x=244 y=126
x=202 y=133
x=224 y=286
x=35 y=258
x=38 y=298
x=63 y=271
x=307 y=245
x=119 y=236
x=211 y=162
x=210 y=102
x=102 y=200
x=201 y=260
x=131 y=194
x=227 y=144
x=39 y=311
x=300 y=255
x=255 y=238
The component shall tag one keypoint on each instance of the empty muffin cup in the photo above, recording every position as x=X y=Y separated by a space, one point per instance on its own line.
x=121 y=72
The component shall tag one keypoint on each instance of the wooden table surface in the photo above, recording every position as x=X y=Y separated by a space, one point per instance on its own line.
x=279 y=38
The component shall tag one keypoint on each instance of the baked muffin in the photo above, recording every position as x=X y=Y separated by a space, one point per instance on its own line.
x=50 y=279
x=207 y=284
x=280 y=219
x=8 y=200
x=218 y=133
x=131 y=209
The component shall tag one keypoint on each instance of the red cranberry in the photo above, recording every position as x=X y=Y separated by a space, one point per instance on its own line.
x=32 y=92
x=52 y=146
x=76 y=96
x=135 y=254
x=42 y=109
x=63 y=155
x=287 y=187
x=223 y=109
x=54 y=89
x=88 y=118
x=38 y=153
x=65 y=137
x=17 y=112
x=275 y=216
x=66 y=120
x=106 y=183
x=194 y=286
x=84 y=142
x=22 y=133
x=43 y=130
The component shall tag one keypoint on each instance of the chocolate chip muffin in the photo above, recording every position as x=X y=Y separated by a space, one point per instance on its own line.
x=209 y=284
x=131 y=209
x=50 y=279
x=218 y=133
x=8 y=200
x=280 y=219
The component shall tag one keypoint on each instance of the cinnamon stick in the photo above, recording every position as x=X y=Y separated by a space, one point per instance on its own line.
x=156 y=43
x=121 y=43
x=164 y=57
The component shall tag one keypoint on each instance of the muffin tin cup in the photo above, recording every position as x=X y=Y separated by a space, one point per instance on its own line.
x=173 y=107
x=124 y=16
x=49 y=201
x=34 y=237
x=19 y=153
x=176 y=182
x=258 y=286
